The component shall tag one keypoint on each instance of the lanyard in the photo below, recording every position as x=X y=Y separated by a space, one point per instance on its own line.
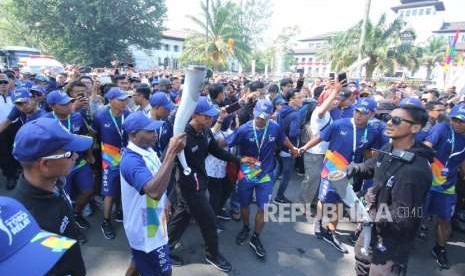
x=452 y=153
x=118 y=129
x=68 y=119
x=259 y=145
x=354 y=142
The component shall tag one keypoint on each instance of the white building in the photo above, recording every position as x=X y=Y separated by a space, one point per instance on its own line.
x=306 y=55
x=424 y=16
x=165 y=55
x=448 y=31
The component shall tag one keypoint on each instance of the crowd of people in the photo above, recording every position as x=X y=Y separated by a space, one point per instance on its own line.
x=74 y=143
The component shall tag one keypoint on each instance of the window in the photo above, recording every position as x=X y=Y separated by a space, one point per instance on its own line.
x=310 y=45
x=296 y=60
x=401 y=13
x=463 y=38
x=414 y=12
x=309 y=70
x=428 y=11
x=310 y=60
x=317 y=70
x=421 y=11
x=303 y=59
x=167 y=47
x=158 y=47
x=176 y=48
x=407 y=13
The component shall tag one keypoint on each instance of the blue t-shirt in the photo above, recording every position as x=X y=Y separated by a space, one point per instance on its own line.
x=244 y=138
x=381 y=126
x=289 y=121
x=342 y=113
x=16 y=114
x=450 y=153
x=134 y=170
x=112 y=137
x=164 y=133
x=340 y=151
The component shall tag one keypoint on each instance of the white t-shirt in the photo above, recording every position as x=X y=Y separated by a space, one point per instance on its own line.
x=316 y=125
x=144 y=221
x=216 y=167
x=6 y=105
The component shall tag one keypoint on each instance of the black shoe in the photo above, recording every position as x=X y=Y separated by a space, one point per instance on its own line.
x=220 y=226
x=282 y=200
x=331 y=238
x=219 y=262
x=81 y=222
x=107 y=230
x=223 y=215
x=440 y=254
x=257 y=246
x=10 y=183
x=243 y=235
x=354 y=237
x=176 y=260
x=82 y=239
x=119 y=216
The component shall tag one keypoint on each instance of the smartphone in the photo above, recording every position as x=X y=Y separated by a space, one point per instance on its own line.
x=331 y=76
x=233 y=107
x=342 y=77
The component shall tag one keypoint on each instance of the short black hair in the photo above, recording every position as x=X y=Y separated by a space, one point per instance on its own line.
x=291 y=94
x=144 y=90
x=255 y=85
x=285 y=82
x=86 y=77
x=273 y=88
x=418 y=114
x=430 y=105
x=215 y=89
x=317 y=91
x=73 y=84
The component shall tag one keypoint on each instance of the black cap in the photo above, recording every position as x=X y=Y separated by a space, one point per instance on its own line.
x=344 y=94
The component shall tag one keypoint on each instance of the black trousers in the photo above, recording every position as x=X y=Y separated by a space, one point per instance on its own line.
x=10 y=167
x=193 y=203
x=220 y=189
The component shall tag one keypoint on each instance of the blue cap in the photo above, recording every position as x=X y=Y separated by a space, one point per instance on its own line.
x=21 y=239
x=458 y=112
x=139 y=121
x=411 y=102
x=28 y=84
x=366 y=105
x=37 y=89
x=58 y=97
x=42 y=78
x=21 y=95
x=263 y=109
x=115 y=93
x=161 y=99
x=155 y=81
x=45 y=136
x=204 y=107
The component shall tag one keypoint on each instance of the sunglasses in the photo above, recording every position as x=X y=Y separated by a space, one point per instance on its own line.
x=3 y=82
x=424 y=100
x=396 y=120
x=66 y=155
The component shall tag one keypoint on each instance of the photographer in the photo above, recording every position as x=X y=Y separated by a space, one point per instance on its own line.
x=398 y=194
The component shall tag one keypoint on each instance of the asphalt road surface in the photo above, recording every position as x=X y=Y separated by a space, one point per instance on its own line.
x=292 y=250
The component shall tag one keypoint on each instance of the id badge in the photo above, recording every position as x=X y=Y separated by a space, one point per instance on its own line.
x=445 y=172
x=258 y=164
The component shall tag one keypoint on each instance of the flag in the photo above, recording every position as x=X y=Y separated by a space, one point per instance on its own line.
x=450 y=51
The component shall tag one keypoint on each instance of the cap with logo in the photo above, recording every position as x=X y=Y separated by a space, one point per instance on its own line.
x=344 y=94
x=263 y=109
x=411 y=102
x=41 y=78
x=45 y=136
x=366 y=105
x=21 y=95
x=116 y=93
x=164 y=82
x=161 y=99
x=4 y=77
x=58 y=97
x=25 y=248
x=204 y=107
x=458 y=112
x=139 y=121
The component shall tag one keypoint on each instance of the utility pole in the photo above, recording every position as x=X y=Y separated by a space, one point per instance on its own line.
x=362 y=38
x=206 y=31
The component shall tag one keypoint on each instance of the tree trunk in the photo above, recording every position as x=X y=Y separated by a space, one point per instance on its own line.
x=370 y=68
x=429 y=71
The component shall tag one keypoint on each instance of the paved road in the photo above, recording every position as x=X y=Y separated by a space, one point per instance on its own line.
x=292 y=250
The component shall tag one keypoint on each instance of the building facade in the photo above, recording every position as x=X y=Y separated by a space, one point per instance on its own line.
x=164 y=55
x=306 y=55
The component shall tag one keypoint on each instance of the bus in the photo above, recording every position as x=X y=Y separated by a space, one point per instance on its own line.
x=11 y=55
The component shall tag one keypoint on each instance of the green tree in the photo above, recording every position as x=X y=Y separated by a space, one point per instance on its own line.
x=433 y=52
x=383 y=45
x=232 y=33
x=94 y=32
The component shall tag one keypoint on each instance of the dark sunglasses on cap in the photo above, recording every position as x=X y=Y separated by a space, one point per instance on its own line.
x=396 y=120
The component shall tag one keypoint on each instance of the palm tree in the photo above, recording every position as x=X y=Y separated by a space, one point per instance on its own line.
x=433 y=52
x=383 y=45
x=225 y=39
